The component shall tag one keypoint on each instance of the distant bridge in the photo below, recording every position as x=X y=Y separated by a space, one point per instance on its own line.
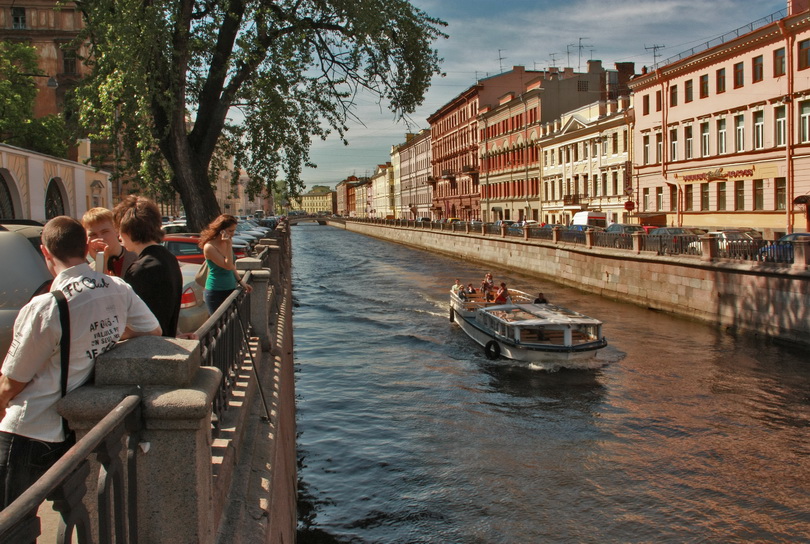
x=295 y=219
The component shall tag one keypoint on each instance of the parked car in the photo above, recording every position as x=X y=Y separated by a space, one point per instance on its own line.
x=193 y=311
x=782 y=249
x=672 y=239
x=624 y=228
x=24 y=276
x=507 y=222
x=649 y=228
x=552 y=226
x=723 y=238
x=583 y=228
x=185 y=248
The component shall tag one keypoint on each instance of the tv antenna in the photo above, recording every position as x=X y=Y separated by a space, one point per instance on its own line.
x=655 y=49
x=553 y=58
x=501 y=58
x=580 y=47
x=568 y=53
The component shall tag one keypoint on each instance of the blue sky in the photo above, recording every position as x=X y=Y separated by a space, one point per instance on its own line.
x=530 y=33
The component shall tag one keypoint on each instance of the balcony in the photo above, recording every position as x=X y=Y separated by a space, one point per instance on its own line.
x=574 y=200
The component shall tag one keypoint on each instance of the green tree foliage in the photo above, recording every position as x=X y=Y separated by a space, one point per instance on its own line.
x=169 y=75
x=18 y=68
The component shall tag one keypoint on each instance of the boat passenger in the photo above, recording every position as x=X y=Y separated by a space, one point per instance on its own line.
x=458 y=286
x=470 y=290
x=541 y=299
x=502 y=296
x=489 y=281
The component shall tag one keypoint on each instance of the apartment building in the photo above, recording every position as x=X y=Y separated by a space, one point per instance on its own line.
x=722 y=136
x=454 y=135
x=511 y=170
x=585 y=163
x=413 y=192
x=381 y=197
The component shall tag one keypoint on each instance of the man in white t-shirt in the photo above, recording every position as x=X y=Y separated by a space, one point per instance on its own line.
x=102 y=310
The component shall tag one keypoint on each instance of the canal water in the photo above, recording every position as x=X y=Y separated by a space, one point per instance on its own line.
x=407 y=434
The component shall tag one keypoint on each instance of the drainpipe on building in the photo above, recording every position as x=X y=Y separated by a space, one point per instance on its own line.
x=789 y=181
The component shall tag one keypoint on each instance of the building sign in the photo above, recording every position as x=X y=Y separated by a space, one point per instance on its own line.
x=737 y=172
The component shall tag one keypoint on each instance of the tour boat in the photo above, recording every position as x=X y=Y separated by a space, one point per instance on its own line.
x=524 y=331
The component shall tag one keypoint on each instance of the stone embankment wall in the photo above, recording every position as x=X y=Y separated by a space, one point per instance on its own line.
x=763 y=298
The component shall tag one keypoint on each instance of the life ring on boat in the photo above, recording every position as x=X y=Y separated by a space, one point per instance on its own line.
x=492 y=350
x=452 y=315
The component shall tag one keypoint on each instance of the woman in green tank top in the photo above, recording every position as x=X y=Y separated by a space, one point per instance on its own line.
x=216 y=242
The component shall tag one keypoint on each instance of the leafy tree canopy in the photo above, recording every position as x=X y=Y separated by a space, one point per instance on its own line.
x=18 y=67
x=168 y=73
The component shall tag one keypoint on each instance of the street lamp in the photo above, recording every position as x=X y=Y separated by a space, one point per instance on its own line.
x=52 y=83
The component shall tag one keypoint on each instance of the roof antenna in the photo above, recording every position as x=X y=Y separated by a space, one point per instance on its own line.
x=655 y=49
x=501 y=58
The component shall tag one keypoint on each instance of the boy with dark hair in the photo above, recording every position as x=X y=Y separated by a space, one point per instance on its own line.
x=99 y=311
x=155 y=275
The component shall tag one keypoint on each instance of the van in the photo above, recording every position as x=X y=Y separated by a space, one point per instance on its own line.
x=591 y=219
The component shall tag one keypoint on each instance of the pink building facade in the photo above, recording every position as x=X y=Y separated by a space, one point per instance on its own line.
x=721 y=138
x=415 y=192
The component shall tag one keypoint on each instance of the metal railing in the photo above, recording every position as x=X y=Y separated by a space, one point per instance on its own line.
x=748 y=250
x=617 y=240
x=732 y=35
x=64 y=484
x=224 y=345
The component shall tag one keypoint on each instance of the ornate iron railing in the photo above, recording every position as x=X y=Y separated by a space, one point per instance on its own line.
x=64 y=484
x=224 y=344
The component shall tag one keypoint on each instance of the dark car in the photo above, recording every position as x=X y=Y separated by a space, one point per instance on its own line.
x=781 y=251
x=672 y=239
x=624 y=228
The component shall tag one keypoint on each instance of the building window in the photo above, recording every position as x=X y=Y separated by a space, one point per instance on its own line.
x=704 y=139
x=673 y=96
x=757 y=69
x=720 y=82
x=646 y=148
x=18 y=18
x=688 y=197
x=759 y=129
x=604 y=184
x=658 y=101
x=804 y=54
x=781 y=191
x=759 y=194
x=659 y=199
x=739 y=75
x=781 y=124
x=688 y=93
x=739 y=133
x=645 y=104
x=739 y=195
x=779 y=62
x=615 y=143
x=687 y=136
x=721 y=196
x=69 y=62
x=673 y=145
x=673 y=198
x=615 y=176
x=704 y=86
x=659 y=147
x=704 y=196
x=721 y=136
x=582 y=85
x=804 y=121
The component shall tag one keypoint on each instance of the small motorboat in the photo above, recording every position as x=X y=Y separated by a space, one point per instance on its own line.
x=524 y=331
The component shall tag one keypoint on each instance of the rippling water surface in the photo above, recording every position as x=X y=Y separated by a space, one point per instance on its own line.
x=408 y=434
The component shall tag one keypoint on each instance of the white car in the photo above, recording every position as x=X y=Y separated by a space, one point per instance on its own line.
x=723 y=238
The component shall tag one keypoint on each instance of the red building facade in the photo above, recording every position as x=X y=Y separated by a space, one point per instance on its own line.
x=455 y=141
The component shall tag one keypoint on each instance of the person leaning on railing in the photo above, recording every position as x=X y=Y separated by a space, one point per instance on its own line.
x=84 y=314
x=216 y=242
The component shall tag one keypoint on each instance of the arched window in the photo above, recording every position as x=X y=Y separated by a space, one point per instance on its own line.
x=6 y=204
x=54 y=205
